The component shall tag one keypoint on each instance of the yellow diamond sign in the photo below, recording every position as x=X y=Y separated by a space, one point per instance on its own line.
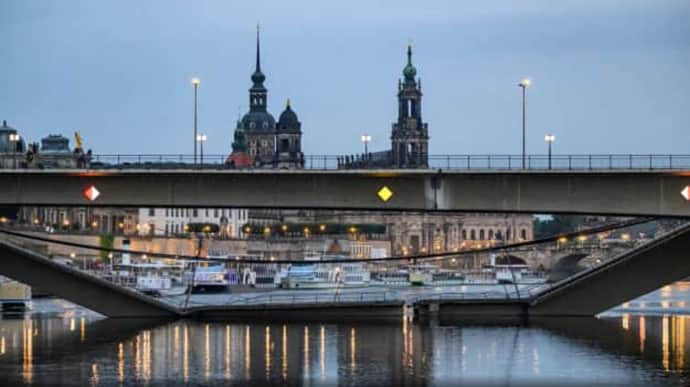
x=385 y=193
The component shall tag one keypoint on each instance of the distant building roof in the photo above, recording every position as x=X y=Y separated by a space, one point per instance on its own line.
x=55 y=143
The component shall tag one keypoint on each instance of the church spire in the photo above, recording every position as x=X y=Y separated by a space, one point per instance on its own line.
x=409 y=71
x=258 y=51
x=258 y=77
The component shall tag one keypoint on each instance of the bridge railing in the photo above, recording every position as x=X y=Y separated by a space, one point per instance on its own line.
x=331 y=162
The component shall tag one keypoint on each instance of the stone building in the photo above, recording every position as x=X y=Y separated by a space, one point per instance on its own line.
x=268 y=144
x=409 y=134
x=173 y=221
x=414 y=233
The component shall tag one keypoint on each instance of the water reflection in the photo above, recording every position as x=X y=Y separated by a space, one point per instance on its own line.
x=625 y=349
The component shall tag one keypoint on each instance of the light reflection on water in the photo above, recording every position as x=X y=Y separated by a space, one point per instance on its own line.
x=620 y=348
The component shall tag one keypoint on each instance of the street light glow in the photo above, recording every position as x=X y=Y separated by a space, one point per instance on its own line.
x=366 y=138
x=526 y=82
x=195 y=81
x=549 y=138
x=201 y=137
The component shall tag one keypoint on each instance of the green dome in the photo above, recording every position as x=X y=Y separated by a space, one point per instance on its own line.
x=409 y=71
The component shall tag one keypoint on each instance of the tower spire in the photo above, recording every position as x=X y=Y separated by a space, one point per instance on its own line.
x=258 y=50
x=258 y=77
x=409 y=54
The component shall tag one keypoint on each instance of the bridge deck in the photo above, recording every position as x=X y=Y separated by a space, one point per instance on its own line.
x=613 y=192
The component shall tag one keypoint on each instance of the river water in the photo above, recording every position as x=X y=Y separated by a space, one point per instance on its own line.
x=641 y=343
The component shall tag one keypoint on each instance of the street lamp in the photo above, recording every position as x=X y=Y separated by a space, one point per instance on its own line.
x=14 y=139
x=201 y=138
x=195 y=83
x=366 y=139
x=550 y=138
x=524 y=84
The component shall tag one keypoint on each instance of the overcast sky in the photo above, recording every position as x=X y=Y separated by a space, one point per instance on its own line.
x=608 y=76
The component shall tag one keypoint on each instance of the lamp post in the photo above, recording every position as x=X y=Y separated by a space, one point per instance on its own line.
x=195 y=83
x=14 y=140
x=524 y=84
x=366 y=139
x=201 y=138
x=550 y=138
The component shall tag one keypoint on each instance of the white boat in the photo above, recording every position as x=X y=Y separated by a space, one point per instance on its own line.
x=211 y=278
x=391 y=278
x=305 y=276
x=157 y=279
x=324 y=274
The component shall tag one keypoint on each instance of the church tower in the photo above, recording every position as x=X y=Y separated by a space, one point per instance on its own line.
x=259 y=125
x=289 y=140
x=410 y=135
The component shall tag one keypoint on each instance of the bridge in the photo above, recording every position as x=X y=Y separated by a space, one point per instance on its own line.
x=613 y=192
x=631 y=274
x=611 y=185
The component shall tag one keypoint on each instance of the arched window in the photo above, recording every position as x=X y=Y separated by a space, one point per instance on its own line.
x=481 y=234
x=473 y=236
x=491 y=235
x=499 y=235
x=464 y=234
x=523 y=234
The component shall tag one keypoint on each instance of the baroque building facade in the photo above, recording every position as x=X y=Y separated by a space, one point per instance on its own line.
x=259 y=140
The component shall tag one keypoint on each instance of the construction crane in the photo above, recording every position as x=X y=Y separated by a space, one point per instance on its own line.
x=78 y=139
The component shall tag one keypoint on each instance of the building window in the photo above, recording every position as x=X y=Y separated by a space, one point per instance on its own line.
x=151 y=211
x=167 y=211
x=215 y=212
x=481 y=234
x=195 y=212
x=491 y=234
x=523 y=234
x=207 y=212
x=473 y=236
x=464 y=234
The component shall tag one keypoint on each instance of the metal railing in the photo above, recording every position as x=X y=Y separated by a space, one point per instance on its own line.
x=448 y=162
x=444 y=162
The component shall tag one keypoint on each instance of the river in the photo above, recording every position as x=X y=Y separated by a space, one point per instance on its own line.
x=640 y=343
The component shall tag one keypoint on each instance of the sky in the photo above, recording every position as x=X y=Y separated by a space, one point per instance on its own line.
x=608 y=76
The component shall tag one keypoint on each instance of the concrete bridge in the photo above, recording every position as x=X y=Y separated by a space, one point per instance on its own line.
x=612 y=192
x=588 y=293
x=634 y=273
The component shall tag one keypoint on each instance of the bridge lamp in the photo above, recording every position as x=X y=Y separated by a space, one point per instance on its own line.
x=549 y=138
x=14 y=139
x=366 y=139
x=201 y=139
x=524 y=84
x=322 y=227
x=195 y=83
x=72 y=255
